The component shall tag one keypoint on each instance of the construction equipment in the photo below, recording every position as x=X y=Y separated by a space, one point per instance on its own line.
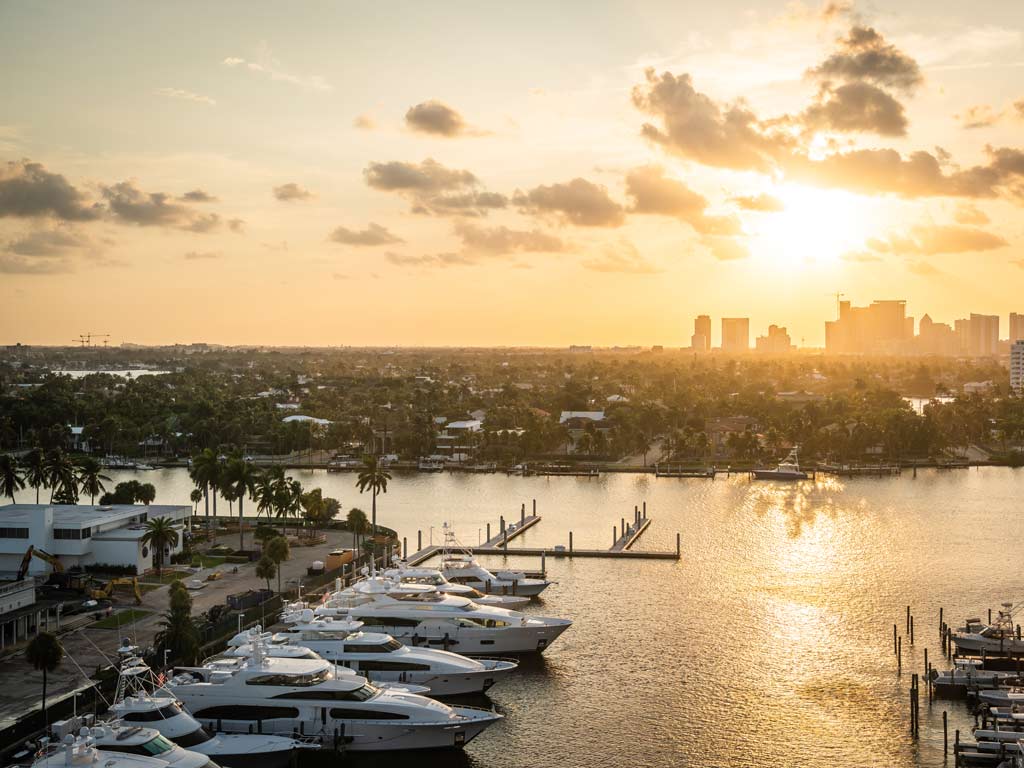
x=85 y=339
x=105 y=592
x=46 y=557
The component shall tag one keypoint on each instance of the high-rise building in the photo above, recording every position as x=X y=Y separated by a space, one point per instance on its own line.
x=983 y=335
x=777 y=342
x=735 y=334
x=701 y=339
x=1017 y=365
x=936 y=338
x=878 y=329
x=1016 y=327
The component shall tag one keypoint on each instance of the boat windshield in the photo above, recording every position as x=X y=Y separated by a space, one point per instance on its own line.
x=420 y=597
x=291 y=680
x=430 y=580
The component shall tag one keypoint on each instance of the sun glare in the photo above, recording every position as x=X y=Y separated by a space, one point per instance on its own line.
x=815 y=227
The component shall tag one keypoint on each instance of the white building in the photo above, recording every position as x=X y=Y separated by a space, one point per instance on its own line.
x=81 y=535
x=1017 y=366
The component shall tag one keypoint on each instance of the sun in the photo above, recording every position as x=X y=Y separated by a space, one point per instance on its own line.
x=815 y=226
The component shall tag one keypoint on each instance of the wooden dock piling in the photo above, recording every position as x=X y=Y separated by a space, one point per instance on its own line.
x=911 y=630
x=570 y=542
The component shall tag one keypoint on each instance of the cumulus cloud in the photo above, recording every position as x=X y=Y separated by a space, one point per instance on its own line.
x=436 y=118
x=27 y=189
x=130 y=205
x=853 y=107
x=578 y=202
x=621 y=257
x=865 y=56
x=271 y=68
x=655 y=193
x=694 y=126
x=183 y=95
x=433 y=188
x=374 y=234
x=970 y=214
x=502 y=240
x=429 y=260
x=934 y=239
x=978 y=116
x=202 y=255
x=19 y=265
x=764 y=202
x=292 y=192
x=198 y=196
x=47 y=243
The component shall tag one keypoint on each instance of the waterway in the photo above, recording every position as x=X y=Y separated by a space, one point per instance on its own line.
x=768 y=644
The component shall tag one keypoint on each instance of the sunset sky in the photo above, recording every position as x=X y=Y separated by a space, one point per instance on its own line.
x=485 y=174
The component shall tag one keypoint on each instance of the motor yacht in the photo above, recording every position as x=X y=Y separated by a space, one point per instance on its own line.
x=464 y=569
x=419 y=615
x=82 y=752
x=312 y=697
x=380 y=657
x=140 y=699
x=999 y=637
x=787 y=469
x=148 y=742
x=403 y=573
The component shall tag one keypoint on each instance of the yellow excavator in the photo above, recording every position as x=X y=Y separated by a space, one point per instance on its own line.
x=105 y=592
x=59 y=577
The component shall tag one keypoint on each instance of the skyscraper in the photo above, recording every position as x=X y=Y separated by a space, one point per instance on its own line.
x=983 y=335
x=1016 y=327
x=735 y=334
x=878 y=329
x=1017 y=365
x=777 y=342
x=701 y=339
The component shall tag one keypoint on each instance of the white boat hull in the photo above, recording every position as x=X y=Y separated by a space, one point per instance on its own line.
x=471 y=641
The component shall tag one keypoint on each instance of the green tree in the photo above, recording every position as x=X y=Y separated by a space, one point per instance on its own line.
x=374 y=478
x=195 y=497
x=266 y=569
x=44 y=653
x=205 y=473
x=179 y=634
x=60 y=477
x=34 y=463
x=91 y=478
x=240 y=482
x=147 y=493
x=11 y=480
x=265 y=533
x=160 y=535
x=278 y=550
x=357 y=524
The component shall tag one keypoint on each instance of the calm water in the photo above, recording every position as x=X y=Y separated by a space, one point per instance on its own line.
x=769 y=644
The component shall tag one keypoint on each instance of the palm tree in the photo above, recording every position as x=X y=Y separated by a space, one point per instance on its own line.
x=34 y=463
x=357 y=524
x=277 y=551
x=44 y=653
x=266 y=569
x=195 y=497
x=90 y=478
x=240 y=481
x=147 y=493
x=205 y=473
x=11 y=480
x=60 y=476
x=375 y=478
x=160 y=534
x=268 y=493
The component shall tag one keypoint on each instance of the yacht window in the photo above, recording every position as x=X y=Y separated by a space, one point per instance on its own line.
x=198 y=736
x=246 y=712
x=363 y=693
x=429 y=580
x=365 y=714
x=294 y=681
x=392 y=666
x=152 y=715
x=155 y=746
x=388 y=647
x=388 y=621
x=325 y=634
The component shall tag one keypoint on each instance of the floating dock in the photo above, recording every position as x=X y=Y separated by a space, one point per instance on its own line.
x=630 y=535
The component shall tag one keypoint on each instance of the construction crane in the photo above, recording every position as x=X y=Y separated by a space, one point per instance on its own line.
x=838 y=296
x=85 y=339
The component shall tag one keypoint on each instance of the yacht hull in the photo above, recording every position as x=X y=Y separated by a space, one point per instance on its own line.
x=975 y=644
x=775 y=474
x=224 y=753
x=480 y=642
x=526 y=588
x=454 y=683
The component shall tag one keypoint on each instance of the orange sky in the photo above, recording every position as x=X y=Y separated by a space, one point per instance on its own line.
x=469 y=175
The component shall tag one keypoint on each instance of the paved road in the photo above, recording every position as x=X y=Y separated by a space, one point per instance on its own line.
x=88 y=648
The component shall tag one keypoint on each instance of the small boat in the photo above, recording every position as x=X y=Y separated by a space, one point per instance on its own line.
x=787 y=469
x=967 y=677
x=998 y=638
x=404 y=574
x=430 y=465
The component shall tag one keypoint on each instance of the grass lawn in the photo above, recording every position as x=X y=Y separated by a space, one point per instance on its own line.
x=207 y=561
x=120 y=619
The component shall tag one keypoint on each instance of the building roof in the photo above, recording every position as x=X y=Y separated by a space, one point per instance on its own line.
x=300 y=417
x=471 y=425
x=85 y=515
x=591 y=415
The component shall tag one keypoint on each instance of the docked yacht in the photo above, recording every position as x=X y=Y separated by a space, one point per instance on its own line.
x=309 y=696
x=380 y=658
x=787 y=469
x=420 y=615
x=464 y=569
x=405 y=574
x=138 y=740
x=82 y=752
x=999 y=637
x=140 y=699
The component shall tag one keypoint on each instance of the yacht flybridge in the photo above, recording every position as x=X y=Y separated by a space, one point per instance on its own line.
x=311 y=697
x=140 y=699
x=419 y=615
x=787 y=469
x=404 y=574
x=999 y=637
x=377 y=656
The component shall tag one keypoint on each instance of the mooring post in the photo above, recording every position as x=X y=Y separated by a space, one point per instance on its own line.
x=534 y=507
x=615 y=536
x=622 y=522
x=488 y=531
x=945 y=733
x=899 y=654
x=941 y=624
x=645 y=510
x=911 y=630
x=522 y=513
x=503 y=524
x=678 y=545
x=894 y=650
x=405 y=548
x=543 y=562
x=908 y=620
x=990 y=617
x=419 y=540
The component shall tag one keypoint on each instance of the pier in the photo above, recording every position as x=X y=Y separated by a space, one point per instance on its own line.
x=631 y=532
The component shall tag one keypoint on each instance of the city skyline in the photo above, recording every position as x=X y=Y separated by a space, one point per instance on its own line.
x=385 y=177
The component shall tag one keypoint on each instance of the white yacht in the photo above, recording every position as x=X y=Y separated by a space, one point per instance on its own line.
x=419 y=615
x=787 y=469
x=380 y=658
x=405 y=574
x=140 y=700
x=309 y=696
x=137 y=740
x=81 y=752
x=464 y=569
x=999 y=637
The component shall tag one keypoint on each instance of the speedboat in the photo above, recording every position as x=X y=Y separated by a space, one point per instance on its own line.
x=140 y=699
x=999 y=637
x=311 y=697
x=404 y=574
x=787 y=469
x=967 y=676
x=464 y=569
x=380 y=657
x=419 y=615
